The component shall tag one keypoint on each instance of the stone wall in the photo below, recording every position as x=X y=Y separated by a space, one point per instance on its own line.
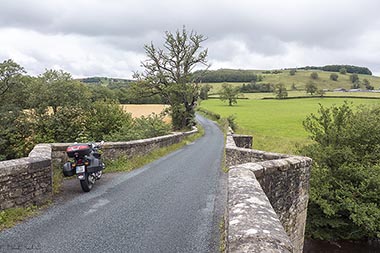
x=113 y=150
x=28 y=181
x=285 y=181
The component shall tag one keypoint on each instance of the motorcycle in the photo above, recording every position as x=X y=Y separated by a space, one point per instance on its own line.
x=86 y=163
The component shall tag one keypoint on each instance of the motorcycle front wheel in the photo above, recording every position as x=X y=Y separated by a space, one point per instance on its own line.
x=88 y=182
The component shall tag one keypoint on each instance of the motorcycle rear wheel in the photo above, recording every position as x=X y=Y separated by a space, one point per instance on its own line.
x=87 y=183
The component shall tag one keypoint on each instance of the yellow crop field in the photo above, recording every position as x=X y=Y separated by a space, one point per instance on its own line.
x=145 y=110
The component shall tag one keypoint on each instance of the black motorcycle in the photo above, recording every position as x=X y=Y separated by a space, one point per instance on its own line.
x=86 y=164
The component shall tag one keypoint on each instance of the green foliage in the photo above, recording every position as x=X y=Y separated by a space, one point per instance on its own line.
x=140 y=128
x=280 y=91
x=345 y=182
x=367 y=84
x=343 y=71
x=55 y=108
x=67 y=124
x=168 y=73
x=15 y=132
x=255 y=87
x=292 y=72
x=151 y=126
x=102 y=93
x=314 y=75
x=12 y=216
x=311 y=87
x=354 y=78
x=10 y=72
x=104 y=118
x=203 y=93
x=231 y=119
x=334 y=77
x=229 y=93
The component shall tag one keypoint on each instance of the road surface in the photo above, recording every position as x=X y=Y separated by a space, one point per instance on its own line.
x=174 y=204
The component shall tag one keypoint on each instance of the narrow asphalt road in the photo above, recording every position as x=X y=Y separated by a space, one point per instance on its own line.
x=174 y=204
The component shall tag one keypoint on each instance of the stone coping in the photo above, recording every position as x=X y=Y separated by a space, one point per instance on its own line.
x=253 y=225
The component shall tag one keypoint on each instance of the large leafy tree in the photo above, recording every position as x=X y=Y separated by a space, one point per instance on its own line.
x=311 y=88
x=280 y=91
x=345 y=182
x=56 y=88
x=10 y=73
x=229 y=93
x=168 y=73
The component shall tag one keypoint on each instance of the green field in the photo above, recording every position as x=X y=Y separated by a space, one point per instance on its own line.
x=302 y=77
x=276 y=124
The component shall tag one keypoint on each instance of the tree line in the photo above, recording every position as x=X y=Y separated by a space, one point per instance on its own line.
x=54 y=107
x=340 y=68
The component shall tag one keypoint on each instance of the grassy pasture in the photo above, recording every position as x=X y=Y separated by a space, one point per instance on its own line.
x=302 y=77
x=276 y=125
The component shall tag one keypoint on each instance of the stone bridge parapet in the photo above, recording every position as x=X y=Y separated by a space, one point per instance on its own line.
x=267 y=198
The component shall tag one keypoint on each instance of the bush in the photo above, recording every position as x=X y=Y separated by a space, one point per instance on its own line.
x=354 y=78
x=280 y=91
x=231 y=122
x=314 y=75
x=141 y=128
x=15 y=132
x=345 y=181
x=334 y=77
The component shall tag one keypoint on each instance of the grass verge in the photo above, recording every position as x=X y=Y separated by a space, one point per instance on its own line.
x=12 y=216
x=124 y=164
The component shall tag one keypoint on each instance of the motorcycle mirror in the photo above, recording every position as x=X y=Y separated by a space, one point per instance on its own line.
x=102 y=142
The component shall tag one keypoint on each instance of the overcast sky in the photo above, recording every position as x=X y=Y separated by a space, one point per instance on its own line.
x=106 y=37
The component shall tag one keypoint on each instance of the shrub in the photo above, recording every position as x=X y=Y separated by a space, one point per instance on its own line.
x=334 y=77
x=314 y=75
x=345 y=181
x=231 y=122
x=140 y=128
x=280 y=91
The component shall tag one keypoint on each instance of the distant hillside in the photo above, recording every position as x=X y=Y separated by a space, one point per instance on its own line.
x=227 y=75
x=301 y=78
x=240 y=75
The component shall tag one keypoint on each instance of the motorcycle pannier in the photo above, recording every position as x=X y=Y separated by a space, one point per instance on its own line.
x=68 y=171
x=78 y=150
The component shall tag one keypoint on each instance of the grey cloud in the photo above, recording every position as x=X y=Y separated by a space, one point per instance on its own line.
x=234 y=29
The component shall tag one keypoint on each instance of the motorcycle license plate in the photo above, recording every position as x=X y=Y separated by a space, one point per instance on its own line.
x=80 y=169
